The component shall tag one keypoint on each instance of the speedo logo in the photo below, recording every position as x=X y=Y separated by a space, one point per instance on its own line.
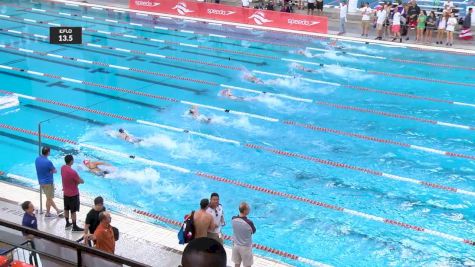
x=182 y=9
x=220 y=12
x=259 y=18
x=146 y=3
x=302 y=22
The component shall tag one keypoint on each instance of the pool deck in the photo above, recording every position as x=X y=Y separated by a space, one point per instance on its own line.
x=139 y=240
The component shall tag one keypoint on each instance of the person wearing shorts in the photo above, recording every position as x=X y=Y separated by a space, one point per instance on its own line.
x=396 y=26
x=71 y=180
x=310 y=7
x=44 y=172
x=366 y=12
x=243 y=229
x=320 y=7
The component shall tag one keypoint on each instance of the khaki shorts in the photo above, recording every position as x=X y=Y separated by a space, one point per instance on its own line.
x=365 y=23
x=48 y=189
x=242 y=254
x=379 y=26
x=215 y=237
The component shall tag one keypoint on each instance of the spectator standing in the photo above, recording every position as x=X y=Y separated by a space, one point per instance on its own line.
x=204 y=252
x=216 y=211
x=320 y=7
x=71 y=180
x=44 y=172
x=343 y=14
x=243 y=229
x=466 y=32
x=421 y=26
x=430 y=26
x=381 y=18
x=245 y=3
x=29 y=218
x=310 y=7
x=396 y=26
x=104 y=234
x=441 y=25
x=451 y=23
x=366 y=17
x=203 y=221
x=412 y=12
x=92 y=217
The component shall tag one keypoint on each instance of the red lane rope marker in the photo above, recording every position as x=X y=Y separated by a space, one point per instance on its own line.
x=136 y=52
x=115 y=88
x=359 y=169
x=420 y=78
x=394 y=115
x=432 y=64
x=109 y=65
x=253 y=187
x=149 y=123
x=379 y=140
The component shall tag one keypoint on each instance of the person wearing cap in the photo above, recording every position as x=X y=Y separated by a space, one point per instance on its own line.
x=45 y=171
x=122 y=134
x=203 y=221
x=93 y=167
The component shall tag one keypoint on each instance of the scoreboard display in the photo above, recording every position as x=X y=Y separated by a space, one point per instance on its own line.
x=65 y=35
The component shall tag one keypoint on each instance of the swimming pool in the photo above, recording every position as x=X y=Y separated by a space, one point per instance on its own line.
x=351 y=148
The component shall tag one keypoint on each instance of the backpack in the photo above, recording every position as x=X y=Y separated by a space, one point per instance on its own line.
x=187 y=230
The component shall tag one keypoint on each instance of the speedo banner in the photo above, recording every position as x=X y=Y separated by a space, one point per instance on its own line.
x=227 y=13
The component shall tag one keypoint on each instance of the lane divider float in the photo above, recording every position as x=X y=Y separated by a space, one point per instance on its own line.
x=291 y=77
x=97 y=63
x=254 y=187
x=361 y=169
x=136 y=52
x=134 y=92
x=395 y=115
x=126 y=118
x=420 y=78
x=379 y=140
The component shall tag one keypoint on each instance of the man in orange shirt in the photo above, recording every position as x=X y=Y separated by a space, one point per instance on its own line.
x=104 y=235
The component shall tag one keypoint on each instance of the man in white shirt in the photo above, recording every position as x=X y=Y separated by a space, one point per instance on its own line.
x=216 y=210
x=343 y=13
x=381 y=18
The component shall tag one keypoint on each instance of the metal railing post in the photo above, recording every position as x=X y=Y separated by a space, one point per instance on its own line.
x=39 y=154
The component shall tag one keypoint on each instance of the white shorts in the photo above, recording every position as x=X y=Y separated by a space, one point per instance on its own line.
x=243 y=254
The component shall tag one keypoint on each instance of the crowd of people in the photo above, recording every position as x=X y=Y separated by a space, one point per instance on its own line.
x=395 y=21
x=202 y=229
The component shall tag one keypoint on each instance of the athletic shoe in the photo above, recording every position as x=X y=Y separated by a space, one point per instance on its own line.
x=77 y=229
x=68 y=225
x=49 y=215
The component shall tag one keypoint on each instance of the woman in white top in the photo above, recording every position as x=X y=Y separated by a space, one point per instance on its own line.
x=396 y=27
x=451 y=23
x=366 y=13
x=442 y=24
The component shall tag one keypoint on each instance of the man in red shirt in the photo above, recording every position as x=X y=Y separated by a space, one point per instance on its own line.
x=71 y=180
x=104 y=234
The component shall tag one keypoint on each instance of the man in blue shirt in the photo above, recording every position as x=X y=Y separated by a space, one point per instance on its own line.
x=44 y=172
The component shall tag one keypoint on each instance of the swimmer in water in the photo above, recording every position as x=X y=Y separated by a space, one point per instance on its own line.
x=301 y=67
x=253 y=79
x=122 y=134
x=229 y=94
x=195 y=113
x=334 y=44
x=93 y=167
x=304 y=52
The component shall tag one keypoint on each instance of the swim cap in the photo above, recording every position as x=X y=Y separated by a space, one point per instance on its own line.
x=86 y=161
x=121 y=130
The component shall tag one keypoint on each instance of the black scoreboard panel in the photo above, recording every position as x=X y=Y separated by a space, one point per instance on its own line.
x=65 y=35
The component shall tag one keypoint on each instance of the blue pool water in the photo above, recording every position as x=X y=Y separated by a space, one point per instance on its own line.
x=309 y=231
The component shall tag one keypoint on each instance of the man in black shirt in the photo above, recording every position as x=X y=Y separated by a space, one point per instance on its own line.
x=92 y=218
